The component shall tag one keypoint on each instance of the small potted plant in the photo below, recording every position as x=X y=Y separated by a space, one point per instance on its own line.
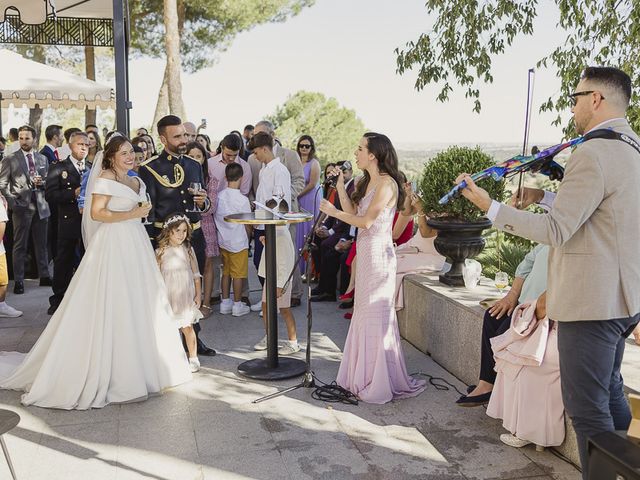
x=459 y=223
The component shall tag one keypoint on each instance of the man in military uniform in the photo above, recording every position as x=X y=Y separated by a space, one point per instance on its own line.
x=62 y=191
x=168 y=178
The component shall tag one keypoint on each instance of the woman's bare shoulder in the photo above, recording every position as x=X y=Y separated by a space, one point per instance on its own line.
x=107 y=174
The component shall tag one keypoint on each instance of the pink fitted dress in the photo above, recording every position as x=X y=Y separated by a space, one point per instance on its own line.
x=372 y=364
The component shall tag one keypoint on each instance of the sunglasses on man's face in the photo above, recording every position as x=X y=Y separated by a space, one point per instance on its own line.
x=573 y=98
x=304 y=145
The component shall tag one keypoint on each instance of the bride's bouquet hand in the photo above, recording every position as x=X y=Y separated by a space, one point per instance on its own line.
x=142 y=210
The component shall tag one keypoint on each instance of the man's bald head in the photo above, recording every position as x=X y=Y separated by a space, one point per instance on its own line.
x=190 y=128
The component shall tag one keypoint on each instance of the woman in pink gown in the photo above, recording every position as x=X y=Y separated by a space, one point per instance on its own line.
x=373 y=365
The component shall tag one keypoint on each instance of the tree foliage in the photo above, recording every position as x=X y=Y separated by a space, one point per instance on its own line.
x=468 y=34
x=336 y=130
x=207 y=26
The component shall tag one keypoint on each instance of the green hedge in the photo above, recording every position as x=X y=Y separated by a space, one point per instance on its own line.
x=438 y=178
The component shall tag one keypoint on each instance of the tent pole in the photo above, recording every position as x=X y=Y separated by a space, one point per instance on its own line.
x=1 y=115
x=121 y=50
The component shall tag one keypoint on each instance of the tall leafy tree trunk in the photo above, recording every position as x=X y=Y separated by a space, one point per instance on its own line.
x=162 y=107
x=37 y=54
x=90 y=116
x=174 y=61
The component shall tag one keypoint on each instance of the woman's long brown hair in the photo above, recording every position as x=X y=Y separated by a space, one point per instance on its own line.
x=380 y=147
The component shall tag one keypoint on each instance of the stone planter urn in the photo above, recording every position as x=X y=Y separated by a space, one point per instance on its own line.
x=458 y=240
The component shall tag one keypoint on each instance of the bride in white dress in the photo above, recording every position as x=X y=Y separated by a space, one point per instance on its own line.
x=113 y=339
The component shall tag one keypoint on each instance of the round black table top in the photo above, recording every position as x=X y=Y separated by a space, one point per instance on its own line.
x=251 y=219
x=8 y=420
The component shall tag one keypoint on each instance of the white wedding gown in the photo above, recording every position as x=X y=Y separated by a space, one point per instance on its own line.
x=113 y=338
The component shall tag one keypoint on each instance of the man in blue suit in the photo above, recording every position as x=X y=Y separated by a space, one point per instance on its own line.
x=53 y=134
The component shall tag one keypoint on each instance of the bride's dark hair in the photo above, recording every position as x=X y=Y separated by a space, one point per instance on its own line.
x=111 y=148
x=380 y=147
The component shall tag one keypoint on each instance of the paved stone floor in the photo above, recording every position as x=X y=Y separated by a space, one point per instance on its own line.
x=210 y=429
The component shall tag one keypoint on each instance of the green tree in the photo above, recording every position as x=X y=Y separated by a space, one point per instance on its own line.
x=336 y=130
x=468 y=34
x=205 y=28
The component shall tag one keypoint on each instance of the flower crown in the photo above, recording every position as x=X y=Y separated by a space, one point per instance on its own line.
x=175 y=219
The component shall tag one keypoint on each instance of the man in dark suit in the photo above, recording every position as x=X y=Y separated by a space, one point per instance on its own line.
x=55 y=139
x=53 y=134
x=327 y=258
x=168 y=177
x=21 y=181
x=63 y=189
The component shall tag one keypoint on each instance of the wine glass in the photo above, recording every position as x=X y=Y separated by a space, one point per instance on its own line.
x=501 y=281
x=278 y=195
x=145 y=220
x=194 y=188
x=35 y=178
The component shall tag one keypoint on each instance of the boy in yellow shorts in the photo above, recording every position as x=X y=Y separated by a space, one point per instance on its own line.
x=233 y=241
x=5 y=310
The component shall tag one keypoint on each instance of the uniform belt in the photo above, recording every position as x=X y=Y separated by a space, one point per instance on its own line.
x=194 y=226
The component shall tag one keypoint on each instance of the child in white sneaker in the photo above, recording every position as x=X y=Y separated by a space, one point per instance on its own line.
x=5 y=310
x=233 y=241
x=179 y=268
x=275 y=181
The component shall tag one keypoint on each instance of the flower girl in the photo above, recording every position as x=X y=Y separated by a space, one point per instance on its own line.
x=179 y=268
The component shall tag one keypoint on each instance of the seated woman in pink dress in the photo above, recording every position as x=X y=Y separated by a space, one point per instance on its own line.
x=373 y=366
x=527 y=395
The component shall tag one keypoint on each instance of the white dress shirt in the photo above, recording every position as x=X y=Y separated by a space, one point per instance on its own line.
x=272 y=174
x=231 y=236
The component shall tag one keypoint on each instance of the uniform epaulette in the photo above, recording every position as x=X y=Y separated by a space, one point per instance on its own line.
x=149 y=161
x=191 y=158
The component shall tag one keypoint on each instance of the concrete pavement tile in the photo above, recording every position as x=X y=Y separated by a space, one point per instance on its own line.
x=313 y=461
x=291 y=421
x=576 y=475
x=87 y=450
x=550 y=463
x=230 y=432
x=22 y=444
x=167 y=403
x=480 y=456
x=265 y=465
x=54 y=417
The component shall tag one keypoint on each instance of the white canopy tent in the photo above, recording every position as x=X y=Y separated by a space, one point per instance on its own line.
x=36 y=11
x=31 y=83
x=78 y=23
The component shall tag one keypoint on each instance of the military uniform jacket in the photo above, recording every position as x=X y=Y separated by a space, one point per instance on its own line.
x=62 y=181
x=167 y=178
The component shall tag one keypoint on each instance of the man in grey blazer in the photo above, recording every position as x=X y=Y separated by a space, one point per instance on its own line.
x=291 y=160
x=22 y=183
x=593 y=228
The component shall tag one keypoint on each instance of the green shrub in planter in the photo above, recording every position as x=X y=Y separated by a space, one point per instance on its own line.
x=438 y=178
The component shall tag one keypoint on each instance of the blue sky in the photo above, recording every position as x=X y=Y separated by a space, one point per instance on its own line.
x=345 y=49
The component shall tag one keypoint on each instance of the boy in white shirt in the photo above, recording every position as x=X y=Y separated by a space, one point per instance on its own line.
x=276 y=179
x=233 y=241
x=5 y=310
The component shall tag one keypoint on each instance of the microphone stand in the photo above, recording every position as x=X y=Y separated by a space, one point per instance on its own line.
x=308 y=378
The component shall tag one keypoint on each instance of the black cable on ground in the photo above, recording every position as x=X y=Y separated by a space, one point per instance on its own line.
x=332 y=393
x=435 y=381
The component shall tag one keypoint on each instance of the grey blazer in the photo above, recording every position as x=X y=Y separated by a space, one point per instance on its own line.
x=289 y=159
x=594 y=231
x=15 y=183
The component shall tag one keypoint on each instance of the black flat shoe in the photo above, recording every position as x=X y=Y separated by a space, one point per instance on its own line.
x=51 y=310
x=295 y=302
x=475 y=401
x=471 y=388
x=18 y=288
x=206 y=351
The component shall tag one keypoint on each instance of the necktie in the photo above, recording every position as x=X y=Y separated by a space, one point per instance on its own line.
x=32 y=166
x=55 y=154
x=81 y=167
